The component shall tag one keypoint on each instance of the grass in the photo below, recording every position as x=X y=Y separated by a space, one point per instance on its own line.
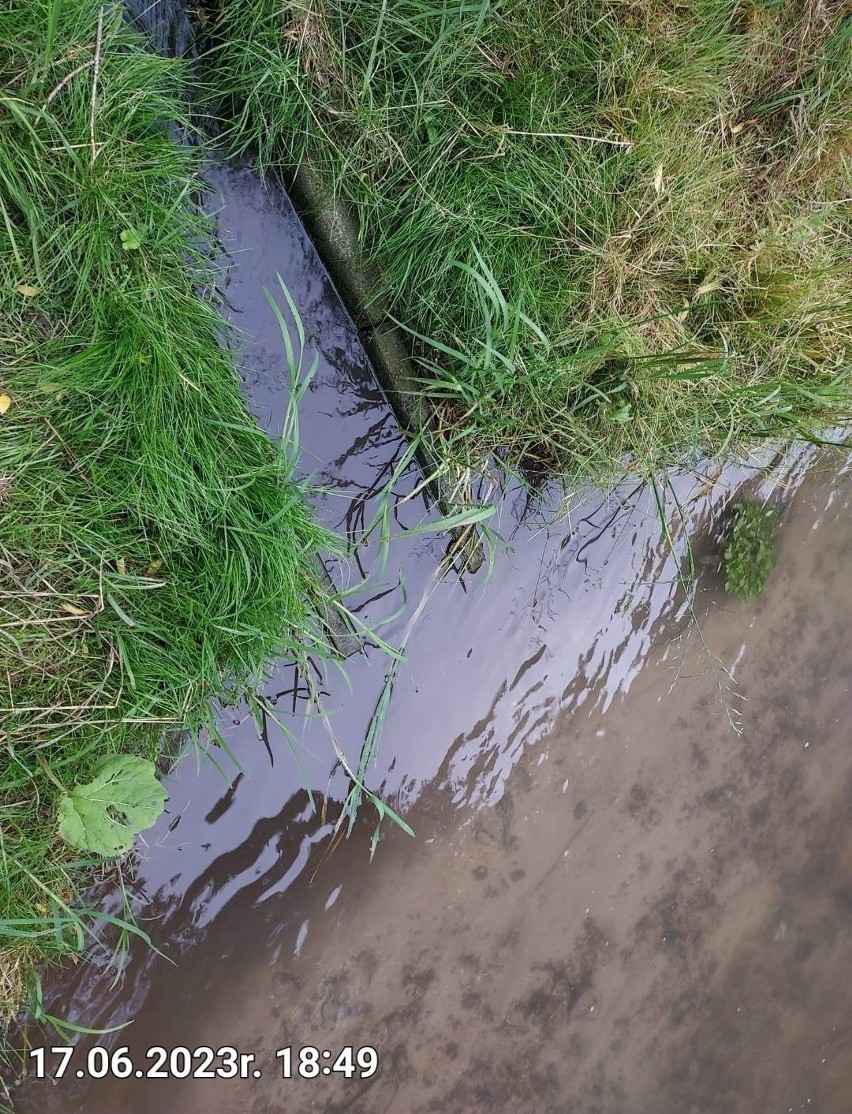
x=617 y=232
x=749 y=553
x=155 y=550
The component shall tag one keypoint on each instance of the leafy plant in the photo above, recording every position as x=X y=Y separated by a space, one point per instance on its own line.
x=749 y=555
x=131 y=238
x=108 y=812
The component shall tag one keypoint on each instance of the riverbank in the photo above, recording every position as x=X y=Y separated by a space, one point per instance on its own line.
x=618 y=237
x=155 y=549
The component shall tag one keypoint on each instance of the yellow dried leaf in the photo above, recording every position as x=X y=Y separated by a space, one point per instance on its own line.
x=154 y=567
x=707 y=288
x=121 y=565
x=5 y=403
x=735 y=129
x=72 y=609
x=658 y=179
x=26 y=291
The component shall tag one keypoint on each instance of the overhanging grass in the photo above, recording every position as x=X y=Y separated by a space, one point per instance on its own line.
x=618 y=230
x=154 y=547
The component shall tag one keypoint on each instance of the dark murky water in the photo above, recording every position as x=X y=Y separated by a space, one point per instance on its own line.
x=613 y=903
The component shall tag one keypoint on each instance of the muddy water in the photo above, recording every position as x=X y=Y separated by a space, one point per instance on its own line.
x=654 y=916
x=489 y=664
x=601 y=866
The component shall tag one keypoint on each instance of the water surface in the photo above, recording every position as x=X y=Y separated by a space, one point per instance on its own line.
x=614 y=902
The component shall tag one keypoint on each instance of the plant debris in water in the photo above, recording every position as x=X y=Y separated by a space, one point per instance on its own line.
x=750 y=552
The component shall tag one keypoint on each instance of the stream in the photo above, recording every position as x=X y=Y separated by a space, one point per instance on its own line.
x=614 y=903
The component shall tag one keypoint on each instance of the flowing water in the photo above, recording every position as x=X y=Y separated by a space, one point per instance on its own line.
x=614 y=902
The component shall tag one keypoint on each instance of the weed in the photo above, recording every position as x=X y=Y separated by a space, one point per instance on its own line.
x=749 y=554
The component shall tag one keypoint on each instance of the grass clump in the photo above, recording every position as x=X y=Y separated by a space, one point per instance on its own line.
x=618 y=231
x=749 y=554
x=154 y=547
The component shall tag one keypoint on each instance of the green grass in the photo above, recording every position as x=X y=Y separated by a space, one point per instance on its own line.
x=749 y=553
x=618 y=231
x=155 y=550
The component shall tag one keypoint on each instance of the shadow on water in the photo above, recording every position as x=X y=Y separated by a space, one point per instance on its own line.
x=241 y=869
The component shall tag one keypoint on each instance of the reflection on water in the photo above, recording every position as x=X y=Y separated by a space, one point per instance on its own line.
x=576 y=810
x=563 y=624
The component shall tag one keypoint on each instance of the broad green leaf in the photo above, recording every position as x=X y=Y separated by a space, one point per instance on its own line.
x=106 y=814
x=131 y=239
